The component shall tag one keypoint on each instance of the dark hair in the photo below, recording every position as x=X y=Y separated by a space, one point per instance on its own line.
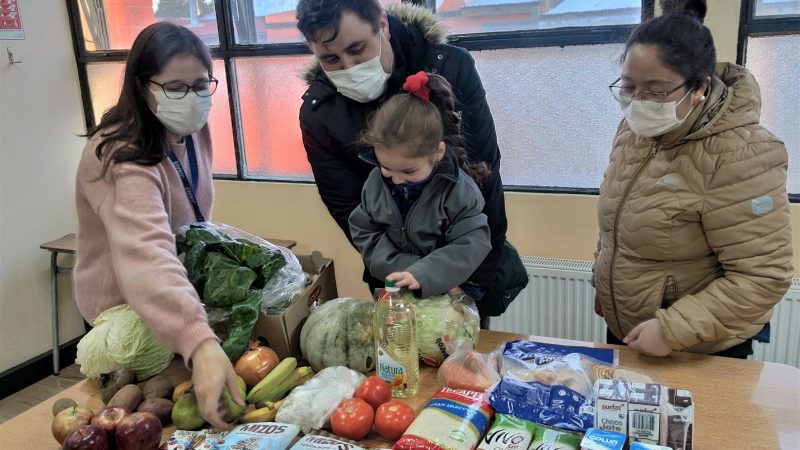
x=684 y=44
x=314 y=16
x=418 y=125
x=131 y=122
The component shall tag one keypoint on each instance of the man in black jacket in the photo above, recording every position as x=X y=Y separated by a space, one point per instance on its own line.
x=362 y=57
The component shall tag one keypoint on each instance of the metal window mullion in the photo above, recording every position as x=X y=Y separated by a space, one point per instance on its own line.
x=226 y=37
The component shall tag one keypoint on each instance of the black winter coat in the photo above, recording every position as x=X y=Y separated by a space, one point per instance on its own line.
x=331 y=124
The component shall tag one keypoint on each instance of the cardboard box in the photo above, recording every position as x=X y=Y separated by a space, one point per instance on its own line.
x=644 y=412
x=611 y=405
x=282 y=331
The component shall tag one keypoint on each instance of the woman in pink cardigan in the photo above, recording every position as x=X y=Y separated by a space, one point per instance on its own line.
x=146 y=171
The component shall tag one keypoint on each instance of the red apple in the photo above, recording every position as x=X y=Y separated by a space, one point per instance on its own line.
x=87 y=437
x=139 y=431
x=70 y=420
x=109 y=417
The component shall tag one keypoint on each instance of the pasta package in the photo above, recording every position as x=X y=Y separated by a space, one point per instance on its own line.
x=453 y=419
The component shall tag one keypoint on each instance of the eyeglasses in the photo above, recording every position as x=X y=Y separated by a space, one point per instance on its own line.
x=652 y=100
x=177 y=90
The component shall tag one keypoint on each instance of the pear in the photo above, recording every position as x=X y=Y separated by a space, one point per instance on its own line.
x=186 y=413
x=234 y=410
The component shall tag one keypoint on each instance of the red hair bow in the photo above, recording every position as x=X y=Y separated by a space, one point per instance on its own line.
x=417 y=84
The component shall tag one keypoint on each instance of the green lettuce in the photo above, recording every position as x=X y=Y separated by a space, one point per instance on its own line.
x=229 y=275
x=444 y=324
x=121 y=340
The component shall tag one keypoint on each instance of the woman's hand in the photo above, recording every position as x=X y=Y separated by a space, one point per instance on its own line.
x=403 y=280
x=647 y=338
x=211 y=372
x=598 y=308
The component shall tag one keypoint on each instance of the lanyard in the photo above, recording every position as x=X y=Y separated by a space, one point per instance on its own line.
x=191 y=189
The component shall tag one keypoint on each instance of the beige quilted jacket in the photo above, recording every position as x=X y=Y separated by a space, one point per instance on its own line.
x=694 y=225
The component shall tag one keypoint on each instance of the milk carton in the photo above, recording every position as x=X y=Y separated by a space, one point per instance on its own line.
x=611 y=405
x=680 y=419
x=644 y=412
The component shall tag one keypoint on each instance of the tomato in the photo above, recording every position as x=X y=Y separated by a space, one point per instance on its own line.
x=392 y=419
x=375 y=391
x=352 y=419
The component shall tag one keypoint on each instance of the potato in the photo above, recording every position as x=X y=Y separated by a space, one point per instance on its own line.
x=130 y=396
x=62 y=404
x=112 y=382
x=161 y=407
x=158 y=387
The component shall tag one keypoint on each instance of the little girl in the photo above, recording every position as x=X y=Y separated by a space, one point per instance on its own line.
x=420 y=223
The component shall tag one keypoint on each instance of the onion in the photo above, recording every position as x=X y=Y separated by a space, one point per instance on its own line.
x=255 y=363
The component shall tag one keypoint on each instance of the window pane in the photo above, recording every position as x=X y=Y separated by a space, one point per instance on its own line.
x=114 y=24
x=105 y=81
x=479 y=16
x=777 y=7
x=774 y=61
x=554 y=89
x=270 y=91
x=269 y=21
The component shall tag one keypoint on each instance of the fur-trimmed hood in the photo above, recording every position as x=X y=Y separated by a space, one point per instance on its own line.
x=411 y=16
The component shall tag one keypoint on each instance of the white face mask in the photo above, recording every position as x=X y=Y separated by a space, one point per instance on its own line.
x=182 y=116
x=363 y=82
x=647 y=120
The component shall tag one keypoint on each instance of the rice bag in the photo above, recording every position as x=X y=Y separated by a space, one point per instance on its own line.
x=508 y=433
x=453 y=419
x=260 y=436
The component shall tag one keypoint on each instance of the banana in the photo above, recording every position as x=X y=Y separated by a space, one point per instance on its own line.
x=265 y=414
x=299 y=376
x=260 y=392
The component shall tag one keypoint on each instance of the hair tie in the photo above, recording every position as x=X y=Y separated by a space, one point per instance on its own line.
x=417 y=84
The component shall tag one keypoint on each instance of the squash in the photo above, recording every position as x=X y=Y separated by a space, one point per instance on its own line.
x=339 y=333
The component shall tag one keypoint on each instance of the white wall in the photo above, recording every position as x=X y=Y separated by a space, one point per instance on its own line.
x=40 y=118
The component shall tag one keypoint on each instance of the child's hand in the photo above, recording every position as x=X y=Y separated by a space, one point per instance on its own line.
x=403 y=280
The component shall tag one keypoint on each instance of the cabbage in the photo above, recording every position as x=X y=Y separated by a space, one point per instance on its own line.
x=444 y=324
x=121 y=340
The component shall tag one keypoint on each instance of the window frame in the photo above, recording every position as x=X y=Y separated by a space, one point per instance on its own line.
x=228 y=50
x=751 y=25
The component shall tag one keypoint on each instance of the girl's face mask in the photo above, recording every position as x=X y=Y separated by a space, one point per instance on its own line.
x=182 y=116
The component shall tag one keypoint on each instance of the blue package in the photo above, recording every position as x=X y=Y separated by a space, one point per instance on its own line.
x=538 y=353
x=260 y=436
x=597 y=439
x=556 y=406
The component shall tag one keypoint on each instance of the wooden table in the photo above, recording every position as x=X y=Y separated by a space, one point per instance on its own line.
x=66 y=245
x=739 y=404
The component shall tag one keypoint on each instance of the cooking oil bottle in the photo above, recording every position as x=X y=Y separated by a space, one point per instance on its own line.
x=396 y=342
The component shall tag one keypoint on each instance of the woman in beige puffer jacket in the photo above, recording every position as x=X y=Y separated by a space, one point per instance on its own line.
x=695 y=245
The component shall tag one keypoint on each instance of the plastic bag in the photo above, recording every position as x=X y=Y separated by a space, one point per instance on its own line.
x=312 y=404
x=470 y=370
x=559 y=394
x=445 y=324
x=237 y=275
x=283 y=282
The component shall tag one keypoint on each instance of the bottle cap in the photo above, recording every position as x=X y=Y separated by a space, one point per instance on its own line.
x=390 y=286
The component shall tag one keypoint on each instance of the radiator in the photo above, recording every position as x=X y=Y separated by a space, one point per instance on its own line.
x=559 y=302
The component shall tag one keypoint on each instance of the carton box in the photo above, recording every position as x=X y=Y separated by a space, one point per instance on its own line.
x=282 y=331
x=597 y=439
x=611 y=405
x=644 y=412
x=680 y=419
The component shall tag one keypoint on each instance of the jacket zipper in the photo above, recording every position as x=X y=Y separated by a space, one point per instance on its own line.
x=616 y=230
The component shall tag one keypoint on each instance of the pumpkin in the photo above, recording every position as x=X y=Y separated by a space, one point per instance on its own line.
x=339 y=333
